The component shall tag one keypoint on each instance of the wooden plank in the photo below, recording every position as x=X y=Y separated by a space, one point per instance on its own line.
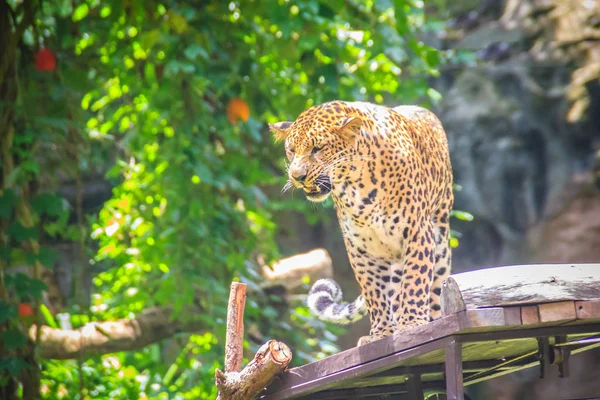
x=318 y=383
x=532 y=332
x=359 y=360
x=588 y=309
x=498 y=349
x=377 y=380
x=512 y=315
x=561 y=311
x=486 y=317
x=530 y=315
x=529 y=284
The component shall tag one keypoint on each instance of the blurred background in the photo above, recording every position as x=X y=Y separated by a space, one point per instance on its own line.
x=138 y=177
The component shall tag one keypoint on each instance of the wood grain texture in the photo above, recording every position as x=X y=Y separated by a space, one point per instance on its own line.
x=235 y=327
x=530 y=315
x=587 y=309
x=486 y=317
x=560 y=311
x=365 y=359
x=512 y=316
x=527 y=284
x=272 y=358
x=451 y=300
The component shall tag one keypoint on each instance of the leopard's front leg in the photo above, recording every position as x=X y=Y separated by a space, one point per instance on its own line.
x=370 y=273
x=412 y=306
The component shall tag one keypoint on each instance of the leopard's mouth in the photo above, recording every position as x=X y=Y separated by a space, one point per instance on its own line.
x=320 y=190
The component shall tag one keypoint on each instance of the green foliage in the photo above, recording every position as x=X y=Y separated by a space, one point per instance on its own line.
x=142 y=90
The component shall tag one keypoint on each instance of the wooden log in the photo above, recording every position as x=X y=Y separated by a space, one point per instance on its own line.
x=290 y=272
x=528 y=284
x=150 y=326
x=234 y=350
x=272 y=358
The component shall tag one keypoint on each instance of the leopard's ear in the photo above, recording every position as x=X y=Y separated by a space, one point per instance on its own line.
x=280 y=130
x=350 y=129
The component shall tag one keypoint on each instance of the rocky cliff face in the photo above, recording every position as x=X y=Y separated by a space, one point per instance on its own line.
x=524 y=131
x=524 y=134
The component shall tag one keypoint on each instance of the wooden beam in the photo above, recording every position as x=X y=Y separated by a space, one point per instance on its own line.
x=454 y=371
x=530 y=315
x=414 y=387
x=528 y=284
x=560 y=311
x=486 y=317
x=365 y=360
x=587 y=309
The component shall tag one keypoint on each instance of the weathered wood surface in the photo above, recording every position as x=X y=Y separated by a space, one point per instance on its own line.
x=488 y=331
x=451 y=299
x=383 y=353
x=527 y=284
x=242 y=384
x=269 y=360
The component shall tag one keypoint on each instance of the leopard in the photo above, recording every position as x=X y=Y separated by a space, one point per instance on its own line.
x=389 y=174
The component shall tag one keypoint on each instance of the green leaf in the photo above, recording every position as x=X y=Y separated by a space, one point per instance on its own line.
x=7 y=311
x=461 y=215
x=13 y=366
x=19 y=233
x=434 y=95
x=8 y=201
x=48 y=317
x=13 y=339
x=50 y=204
x=80 y=12
x=192 y=52
x=47 y=257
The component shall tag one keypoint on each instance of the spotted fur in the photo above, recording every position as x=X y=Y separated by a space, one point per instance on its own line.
x=324 y=300
x=388 y=172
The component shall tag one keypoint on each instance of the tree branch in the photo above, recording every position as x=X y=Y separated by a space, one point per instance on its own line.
x=235 y=328
x=151 y=326
x=156 y=324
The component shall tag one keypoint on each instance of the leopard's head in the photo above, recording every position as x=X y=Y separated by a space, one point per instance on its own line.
x=319 y=143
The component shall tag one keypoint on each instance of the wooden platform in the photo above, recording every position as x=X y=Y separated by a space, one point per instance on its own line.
x=495 y=321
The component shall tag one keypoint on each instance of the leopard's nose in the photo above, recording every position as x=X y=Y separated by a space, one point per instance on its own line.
x=299 y=178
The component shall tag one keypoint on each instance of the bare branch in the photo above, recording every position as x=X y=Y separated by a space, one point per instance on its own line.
x=151 y=326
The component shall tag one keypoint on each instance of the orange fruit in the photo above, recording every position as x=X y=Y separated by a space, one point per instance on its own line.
x=237 y=109
x=25 y=310
x=45 y=60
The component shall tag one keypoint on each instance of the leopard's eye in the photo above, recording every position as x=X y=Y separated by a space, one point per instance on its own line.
x=315 y=150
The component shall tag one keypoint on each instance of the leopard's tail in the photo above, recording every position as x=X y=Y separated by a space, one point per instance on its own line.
x=325 y=301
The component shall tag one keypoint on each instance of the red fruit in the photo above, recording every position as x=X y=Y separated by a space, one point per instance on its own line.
x=45 y=60
x=25 y=310
x=237 y=109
